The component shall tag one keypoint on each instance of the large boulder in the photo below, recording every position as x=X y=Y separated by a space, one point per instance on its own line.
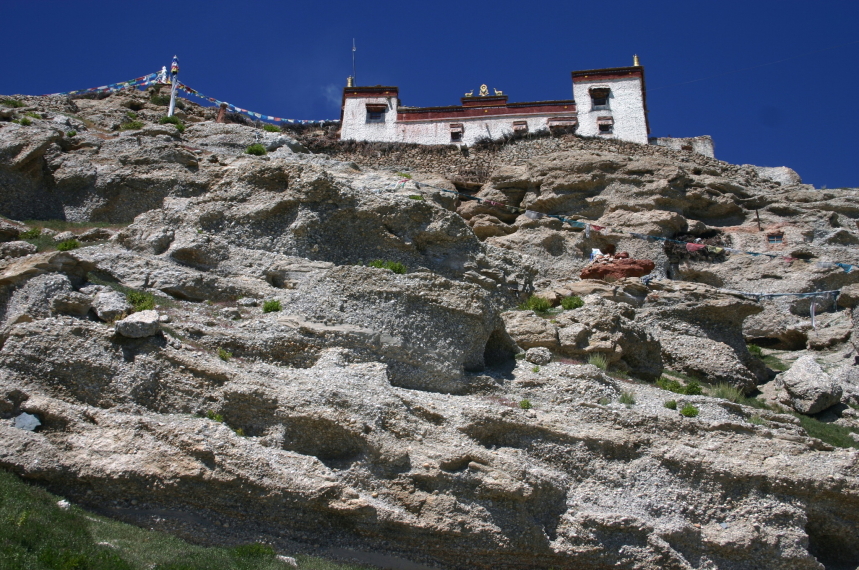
x=807 y=388
x=32 y=301
x=17 y=249
x=110 y=305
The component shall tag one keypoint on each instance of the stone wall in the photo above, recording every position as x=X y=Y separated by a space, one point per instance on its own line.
x=701 y=145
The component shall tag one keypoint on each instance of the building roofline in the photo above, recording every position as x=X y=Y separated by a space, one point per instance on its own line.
x=619 y=71
x=508 y=105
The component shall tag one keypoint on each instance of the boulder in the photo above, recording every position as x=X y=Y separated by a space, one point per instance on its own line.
x=32 y=300
x=618 y=269
x=529 y=330
x=486 y=226
x=64 y=236
x=9 y=231
x=139 y=325
x=781 y=174
x=17 y=249
x=807 y=388
x=96 y=234
x=648 y=222
x=538 y=355
x=71 y=303
x=110 y=305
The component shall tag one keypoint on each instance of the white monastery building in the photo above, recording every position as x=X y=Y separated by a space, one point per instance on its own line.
x=610 y=103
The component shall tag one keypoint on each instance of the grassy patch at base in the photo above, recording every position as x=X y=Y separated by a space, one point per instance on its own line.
x=36 y=534
x=833 y=434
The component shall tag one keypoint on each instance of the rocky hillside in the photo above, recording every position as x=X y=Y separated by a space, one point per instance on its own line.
x=305 y=348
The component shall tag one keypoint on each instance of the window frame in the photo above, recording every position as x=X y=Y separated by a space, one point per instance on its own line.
x=600 y=93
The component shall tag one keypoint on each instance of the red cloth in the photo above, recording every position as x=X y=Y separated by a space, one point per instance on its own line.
x=690 y=247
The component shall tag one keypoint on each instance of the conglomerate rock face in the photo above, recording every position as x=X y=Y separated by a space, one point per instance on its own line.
x=286 y=384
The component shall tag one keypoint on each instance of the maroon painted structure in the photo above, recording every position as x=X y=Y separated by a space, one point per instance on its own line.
x=494 y=108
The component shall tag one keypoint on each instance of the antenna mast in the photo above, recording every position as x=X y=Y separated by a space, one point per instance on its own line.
x=353 y=62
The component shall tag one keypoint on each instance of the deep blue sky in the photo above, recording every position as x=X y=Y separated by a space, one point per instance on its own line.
x=291 y=59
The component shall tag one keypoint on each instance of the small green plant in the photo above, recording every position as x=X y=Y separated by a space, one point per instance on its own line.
x=774 y=363
x=394 y=266
x=33 y=115
x=255 y=149
x=693 y=388
x=24 y=122
x=535 y=369
x=270 y=128
x=755 y=350
x=727 y=392
x=757 y=420
x=131 y=125
x=627 y=398
x=72 y=134
x=224 y=355
x=833 y=434
x=32 y=233
x=68 y=245
x=160 y=100
x=14 y=103
x=215 y=417
x=525 y=404
x=689 y=411
x=175 y=121
x=140 y=300
x=271 y=306
x=240 y=432
x=536 y=304
x=131 y=115
x=570 y=303
x=599 y=360
x=404 y=175
x=520 y=356
x=603 y=401
x=671 y=404
x=416 y=197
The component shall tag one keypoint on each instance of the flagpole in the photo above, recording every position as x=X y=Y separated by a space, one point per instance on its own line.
x=174 y=84
x=354 y=80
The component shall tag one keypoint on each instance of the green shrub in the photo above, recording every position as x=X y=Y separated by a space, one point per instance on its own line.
x=140 y=300
x=215 y=416
x=689 y=411
x=271 y=306
x=416 y=197
x=525 y=404
x=71 y=134
x=671 y=404
x=131 y=115
x=627 y=398
x=757 y=420
x=570 y=303
x=32 y=233
x=68 y=245
x=160 y=100
x=131 y=126
x=270 y=128
x=224 y=355
x=175 y=121
x=394 y=266
x=239 y=432
x=24 y=122
x=727 y=392
x=755 y=350
x=14 y=103
x=693 y=388
x=404 y=175
x=599 y=360
x=536 y=304
x=255 y=149
x=33 y=115
x=603 y=401
x=535 y=369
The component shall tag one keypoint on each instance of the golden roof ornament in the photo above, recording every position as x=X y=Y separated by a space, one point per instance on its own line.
x=635 y=61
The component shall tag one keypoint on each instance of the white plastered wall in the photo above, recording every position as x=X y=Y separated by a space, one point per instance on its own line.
x=626 y=107
x=355 y=125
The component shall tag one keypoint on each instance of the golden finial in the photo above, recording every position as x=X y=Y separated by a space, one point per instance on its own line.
x=349 y=81
x=635 y=61
x=484 y=90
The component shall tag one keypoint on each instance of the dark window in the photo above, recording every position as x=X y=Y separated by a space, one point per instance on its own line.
x=375 y=116
x=775 y=239
x=606 y=128
x=599 y=98
x=456 y=136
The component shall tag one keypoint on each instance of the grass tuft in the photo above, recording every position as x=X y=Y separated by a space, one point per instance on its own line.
x=160 y=100
x=271 y=306
x=755 y=350
x=68 y=245
x=627 y=398
x=394 y=266
x=175 y=121
x=671 y=404
x=14 y=103
x=727 y=392
x=224 y=355
x=270 y=128
x=140 y=300
x=24 y=122
x=689 y=411
x=833 y=434
x=71 y=134
x=256 y=149
x=536 y=304
x=570 y=303
x=599 y=360
x=525 y=404
x=215 y=417
x=131 y=125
